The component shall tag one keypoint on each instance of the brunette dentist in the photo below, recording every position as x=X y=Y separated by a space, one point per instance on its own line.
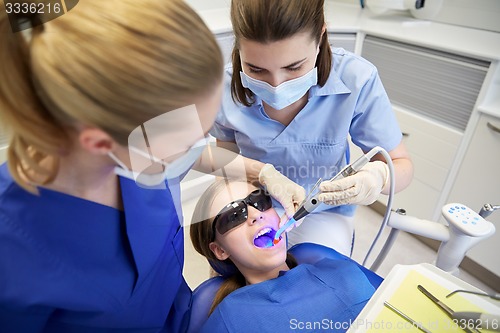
x=291 y=101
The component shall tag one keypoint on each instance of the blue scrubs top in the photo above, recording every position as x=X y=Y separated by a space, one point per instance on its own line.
x=71 y=265
x=353 y=101
x=325 y=296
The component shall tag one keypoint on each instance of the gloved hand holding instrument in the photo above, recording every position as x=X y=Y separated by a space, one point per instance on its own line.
x=358 y=183
x=288 y=193
x=361 y=188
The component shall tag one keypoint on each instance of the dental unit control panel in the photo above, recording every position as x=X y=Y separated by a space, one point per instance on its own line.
x=465 y=229
x=466 y=220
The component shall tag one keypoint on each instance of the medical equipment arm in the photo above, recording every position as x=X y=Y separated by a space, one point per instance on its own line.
x=488 y=209
x=465 y=229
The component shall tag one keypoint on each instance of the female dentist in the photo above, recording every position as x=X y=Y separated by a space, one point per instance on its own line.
x=291 y=101
x=81 y=249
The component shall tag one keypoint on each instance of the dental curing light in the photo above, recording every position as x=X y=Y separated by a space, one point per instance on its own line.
x=311 y=202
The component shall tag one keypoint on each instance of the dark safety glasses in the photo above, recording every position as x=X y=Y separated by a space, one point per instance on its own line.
x=236 y=212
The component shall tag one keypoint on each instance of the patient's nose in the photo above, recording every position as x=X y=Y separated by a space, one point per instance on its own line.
x=254 y=215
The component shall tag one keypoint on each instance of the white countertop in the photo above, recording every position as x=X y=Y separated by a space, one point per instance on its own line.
x=341 y=17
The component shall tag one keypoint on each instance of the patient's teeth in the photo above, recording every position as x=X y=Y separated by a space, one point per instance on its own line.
x=263 y=232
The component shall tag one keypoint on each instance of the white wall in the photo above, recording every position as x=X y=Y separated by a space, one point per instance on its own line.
x=479 y=14
x=208 y=4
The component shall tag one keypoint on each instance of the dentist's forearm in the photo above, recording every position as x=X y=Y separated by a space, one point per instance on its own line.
x=403 y=169
x=223 y=162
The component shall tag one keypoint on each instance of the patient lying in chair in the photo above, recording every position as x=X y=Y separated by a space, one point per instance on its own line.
x=265 y=290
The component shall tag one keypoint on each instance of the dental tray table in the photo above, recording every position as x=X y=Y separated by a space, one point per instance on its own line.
x=400 y=290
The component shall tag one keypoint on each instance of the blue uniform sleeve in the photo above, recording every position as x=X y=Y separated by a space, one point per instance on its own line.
x=15 y=315
x=374 y=122
x=26 y=320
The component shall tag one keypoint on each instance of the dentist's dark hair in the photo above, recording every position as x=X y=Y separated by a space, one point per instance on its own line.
x=201 y=234
x=111 y=64
x=267 y=21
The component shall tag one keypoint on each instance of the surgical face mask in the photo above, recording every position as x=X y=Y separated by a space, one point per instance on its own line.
x=171 y=170
x=283 y=95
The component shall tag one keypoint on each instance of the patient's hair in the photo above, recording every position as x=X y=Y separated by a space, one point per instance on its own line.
x=112 y=64
x=267 y=21
x=202 y=235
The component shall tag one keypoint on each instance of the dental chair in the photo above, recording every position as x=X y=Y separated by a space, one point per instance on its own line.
x=309 y=253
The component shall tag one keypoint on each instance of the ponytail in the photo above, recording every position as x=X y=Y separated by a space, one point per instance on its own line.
x=112 y=65
x=35 y=138
x=324 y=60
x=229 y=285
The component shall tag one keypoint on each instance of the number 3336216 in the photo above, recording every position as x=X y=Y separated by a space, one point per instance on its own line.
x=32 y=8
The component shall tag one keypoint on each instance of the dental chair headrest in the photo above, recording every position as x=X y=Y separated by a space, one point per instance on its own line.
x=225 y=268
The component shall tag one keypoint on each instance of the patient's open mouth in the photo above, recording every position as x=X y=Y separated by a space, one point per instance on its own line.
x=264 y=239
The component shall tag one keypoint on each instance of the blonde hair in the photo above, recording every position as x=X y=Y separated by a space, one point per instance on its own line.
x=201 y=233
x=267 y=21
x=112 y=64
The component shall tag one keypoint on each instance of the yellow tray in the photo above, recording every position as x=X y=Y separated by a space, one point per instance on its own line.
x=400 y=290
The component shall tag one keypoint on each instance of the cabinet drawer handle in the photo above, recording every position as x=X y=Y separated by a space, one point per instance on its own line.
x=406 y=134
x=493 y=127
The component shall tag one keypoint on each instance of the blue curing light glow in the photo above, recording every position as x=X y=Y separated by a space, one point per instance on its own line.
x=265 y=240
x=281 y=230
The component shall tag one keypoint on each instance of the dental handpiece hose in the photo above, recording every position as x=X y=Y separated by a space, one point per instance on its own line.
x=311 y=203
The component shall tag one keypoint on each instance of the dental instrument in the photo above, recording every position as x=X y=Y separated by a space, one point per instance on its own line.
x=495 y=296
x=449 y=312
x=310 y=204
x=408 y=319
x=292 y=220
x=486 y=321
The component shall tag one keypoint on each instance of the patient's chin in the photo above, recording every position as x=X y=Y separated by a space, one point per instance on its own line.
x=265 y=241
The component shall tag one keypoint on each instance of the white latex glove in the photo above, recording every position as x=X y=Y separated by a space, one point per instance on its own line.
x=288 y=193
x=362 y=188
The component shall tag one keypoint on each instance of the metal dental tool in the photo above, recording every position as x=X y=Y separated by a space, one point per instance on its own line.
x=495 y=296
x=444 y=307
x=408 y=319
x=486 y=320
